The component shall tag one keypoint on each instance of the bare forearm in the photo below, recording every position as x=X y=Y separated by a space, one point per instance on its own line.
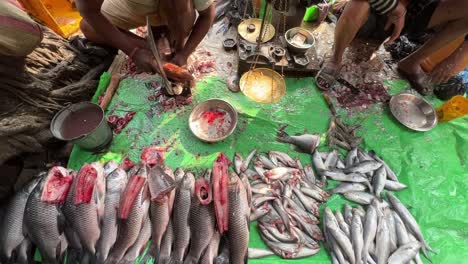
x=201 y=27
x=91 y=12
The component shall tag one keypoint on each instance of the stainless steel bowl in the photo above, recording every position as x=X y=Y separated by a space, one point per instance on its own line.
x=213 y=120
x=413 y=111
x=309 y=42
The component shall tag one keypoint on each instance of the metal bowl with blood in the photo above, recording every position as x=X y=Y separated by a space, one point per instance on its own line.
x=413 y=111
x=213 y=120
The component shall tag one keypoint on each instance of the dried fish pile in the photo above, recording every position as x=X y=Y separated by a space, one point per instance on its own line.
x=105 y=214
x=384 y=233
x=343 y=135
x=363 y=175
x=285 y=202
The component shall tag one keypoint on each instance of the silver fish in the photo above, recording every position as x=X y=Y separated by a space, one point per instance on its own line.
x=348 y=213
x=357 y=237
x=202 y=228
x=129 y=227
x=181 y=218
x=237 y=162
x=342 y=224
x=378 y=181
x=409 y=220
x=405 y=253
x=255 y=253
x=400 y=229
x=342 y=240
x=138 y=247
x=12 y=222
x=309 y=174
x=283 y=158
x=166 y=245
x=348 y=187
x=266 y=162
x=332 y=159
x=246 y=162
x=282 y=213
x=281 y=172
x=212 y=251
x=239 y=214
x=257 y=201
x=394 y=185
x=291 y=251
x=352 y=177
x=109 y=167
x=259 y=212
x=318 y=163
x=44 y=224
x=359 y=197
x=370 y=228
x=115 y=186
x=392 y=232
x=351 y=157
x=308 y=203
x=383 y=238
x=390 y=173
x=85 y=217
x=364 y=167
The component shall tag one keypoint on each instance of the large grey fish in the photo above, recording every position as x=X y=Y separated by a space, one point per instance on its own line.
x=405 y=253
x=349 y=187
x=357 y=237
x=409 y=220
x=378 y=181
x=12 y=222
x=306 y=143
x=23 y=252
x=166 y=245
x=202 y=223
x=138 y=247
x=212 y=250
x=370 y=228
x=115 y=186
x=352 y=177
x=383 y=238
x=133 y=211
x=84 y=206
x=364 y=167
x=44 y=223
x=239 y=214
x=342 y=240
x=182 y=202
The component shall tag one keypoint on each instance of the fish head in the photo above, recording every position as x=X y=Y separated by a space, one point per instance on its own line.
x=168 y=170
x=179 y=174
x=159 y=183
x=56 y=185
x=153 y=156
x=109 y=167
x=29 y=187
x=203 y=191
x=188 y=181
x=116 y=181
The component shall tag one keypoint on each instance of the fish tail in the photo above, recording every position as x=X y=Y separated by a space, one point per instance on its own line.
x=282 y=136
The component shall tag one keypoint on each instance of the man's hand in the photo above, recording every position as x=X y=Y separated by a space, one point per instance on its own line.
x=180 y=59
x=144 y=60
x=397 y=19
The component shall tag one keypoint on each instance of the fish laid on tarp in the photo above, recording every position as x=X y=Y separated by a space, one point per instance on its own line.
x=159 y=183
x=306 y=143
x=180 y=223
x=220 y=180
x=44 y=223
x=11 y=229
x=239 y=215
x=139 y=246
x=84 y=206
x=116 y=182
x=131 y=215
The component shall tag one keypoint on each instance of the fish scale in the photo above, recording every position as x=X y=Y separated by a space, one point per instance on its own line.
x=202 y=228
x=12 y=224
x=129 y=228
x=181 y=218
x=43 y=227
x=160 y=215
x=166 y=245
x=212 y=250
x=238 y=233
x=139 y=245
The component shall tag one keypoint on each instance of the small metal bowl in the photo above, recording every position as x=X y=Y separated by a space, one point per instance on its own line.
x=213 y=120
x=413 y=111
x=309 y=42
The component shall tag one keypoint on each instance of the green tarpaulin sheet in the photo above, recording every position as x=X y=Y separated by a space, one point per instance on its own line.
x=433 y=164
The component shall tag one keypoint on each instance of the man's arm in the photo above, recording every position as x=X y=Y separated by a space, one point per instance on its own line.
x=90 y=10
x=201 y=27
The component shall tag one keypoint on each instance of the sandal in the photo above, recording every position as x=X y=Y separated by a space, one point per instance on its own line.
x=326 y=78
x=418 y=81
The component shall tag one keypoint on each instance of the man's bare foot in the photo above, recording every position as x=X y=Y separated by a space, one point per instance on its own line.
x=413 y=72
x=327 y=75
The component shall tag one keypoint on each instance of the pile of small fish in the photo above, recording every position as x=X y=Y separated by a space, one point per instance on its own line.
x=385 y=233
x=343 y=135
x=363 y=175
x=104 y=214
x=285 y=202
